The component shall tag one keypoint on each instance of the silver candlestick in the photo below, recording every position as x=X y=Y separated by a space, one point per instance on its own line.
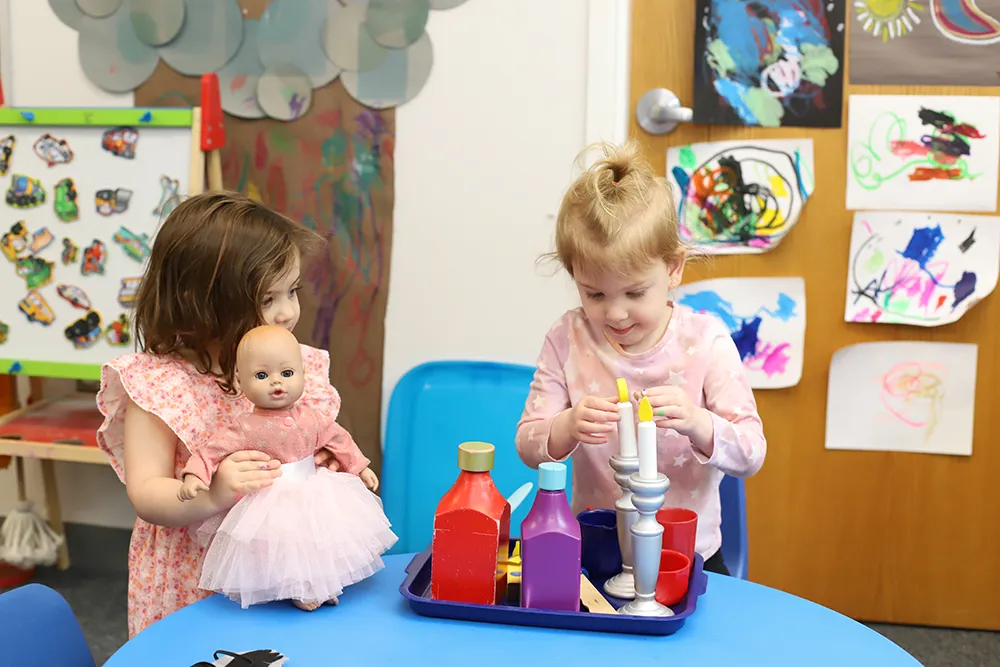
x=622 y=585
x=647 y=536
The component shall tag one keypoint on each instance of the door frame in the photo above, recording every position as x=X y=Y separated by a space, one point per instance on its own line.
x=609 y=30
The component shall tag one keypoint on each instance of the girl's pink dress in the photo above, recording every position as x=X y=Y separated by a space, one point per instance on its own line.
x=307 y=536
x=165 y=562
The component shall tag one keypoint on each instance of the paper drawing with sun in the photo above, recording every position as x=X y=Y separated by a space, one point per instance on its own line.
x=958 y=20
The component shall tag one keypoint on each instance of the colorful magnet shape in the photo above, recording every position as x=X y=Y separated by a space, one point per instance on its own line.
x=74 y=295
x=53 y=150
x=14 y=244
x=36 y=309
x=36 y=271
x=169 y=198
x=120 y=141
x=112 y=201
x=4 y=332
x=70 y=251
x=64 y=200
x=118 y=332
x=85 y=331
x=6 y=153
x=40 y=240
x=126 y=293
x=25 y=192
x=135 y=245
x=94 y=258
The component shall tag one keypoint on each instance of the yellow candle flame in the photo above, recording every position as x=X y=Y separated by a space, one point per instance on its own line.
x=645 y=410
x=622 y=391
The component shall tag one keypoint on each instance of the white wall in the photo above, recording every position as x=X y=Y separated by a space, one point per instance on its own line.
x=482 y=156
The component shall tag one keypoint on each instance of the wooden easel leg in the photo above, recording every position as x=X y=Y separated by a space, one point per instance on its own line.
x=54 y=510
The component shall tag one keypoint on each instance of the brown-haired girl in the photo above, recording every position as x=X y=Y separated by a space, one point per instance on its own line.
x=617 y=236
x=221 y=265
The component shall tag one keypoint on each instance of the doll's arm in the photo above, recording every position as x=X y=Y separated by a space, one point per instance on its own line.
x=335 y=439
x=205 y=459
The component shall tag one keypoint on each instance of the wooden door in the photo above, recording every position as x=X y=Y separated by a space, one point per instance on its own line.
x=903 y=538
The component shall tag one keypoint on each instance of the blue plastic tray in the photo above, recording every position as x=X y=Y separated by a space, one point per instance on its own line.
x=417 y=585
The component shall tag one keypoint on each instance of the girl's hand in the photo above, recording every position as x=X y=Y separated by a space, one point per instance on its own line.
x=242 y=473
x=326 y=459
x=190 y=488
x=673 y=408
x=592 y=418
x=369 y=478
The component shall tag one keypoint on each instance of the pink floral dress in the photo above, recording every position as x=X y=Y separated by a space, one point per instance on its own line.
x=165 y=562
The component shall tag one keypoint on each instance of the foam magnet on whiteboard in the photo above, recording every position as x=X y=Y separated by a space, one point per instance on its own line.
x=70 y=251
x=4 y=331
x=127 y=292
x=112 y=201
x=85 y=331
x=53 y=150
x=36 y=308
x=135 y=245
x=146 y=117
x=74 y=295
x=28 y=116
x=14 y=368
x=120 y=141
x=117 y=332
x=6 y=153
x=94 y=258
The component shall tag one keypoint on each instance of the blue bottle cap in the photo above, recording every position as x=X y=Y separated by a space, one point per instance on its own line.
x=552 y=476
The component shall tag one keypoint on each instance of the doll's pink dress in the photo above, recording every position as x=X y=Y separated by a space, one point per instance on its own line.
x=310 y=534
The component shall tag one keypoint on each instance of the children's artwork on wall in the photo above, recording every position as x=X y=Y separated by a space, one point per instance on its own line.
x=925 y=42
x=766 y=318
x=921 y=152
x=66 y=261
x=769 y=62
x=740 y=196
x=902 y=397
x=268 y=65
x=922 y=269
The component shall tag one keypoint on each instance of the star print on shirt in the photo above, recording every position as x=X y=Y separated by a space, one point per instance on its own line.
x=541 y=365
x=594 y=387
x=532 y=436
x=539 y=402
x=680 y=459
x=691 y=350
x=695 y=493
x=676 y=379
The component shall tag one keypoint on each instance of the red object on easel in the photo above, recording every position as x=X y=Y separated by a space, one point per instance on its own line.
x=1 y=94
x=471 y=534
x=213 y=129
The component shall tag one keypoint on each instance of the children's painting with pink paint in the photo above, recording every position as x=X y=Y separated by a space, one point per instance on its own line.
x=922 y=269
x=766 y=318
x=902 y=397
x=919 y=152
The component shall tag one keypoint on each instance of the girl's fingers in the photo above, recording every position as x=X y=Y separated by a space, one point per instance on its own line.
x=598 y=417
x=589 y=439
x=669 y=412
x=249 y=455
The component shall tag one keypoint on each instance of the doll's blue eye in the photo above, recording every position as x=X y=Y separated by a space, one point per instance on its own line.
x=261 y=375
x=287 y=373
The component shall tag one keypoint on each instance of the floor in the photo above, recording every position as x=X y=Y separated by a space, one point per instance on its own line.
x=99 y=602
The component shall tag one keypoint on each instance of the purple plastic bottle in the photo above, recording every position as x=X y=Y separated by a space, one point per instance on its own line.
x=550 y=546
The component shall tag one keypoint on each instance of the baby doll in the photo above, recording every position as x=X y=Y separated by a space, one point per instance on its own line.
x=313 y=531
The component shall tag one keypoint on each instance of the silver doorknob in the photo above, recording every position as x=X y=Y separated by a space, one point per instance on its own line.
x=659 y=111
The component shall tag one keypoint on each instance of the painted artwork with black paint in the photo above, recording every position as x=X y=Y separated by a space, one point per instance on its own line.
x=769 y=63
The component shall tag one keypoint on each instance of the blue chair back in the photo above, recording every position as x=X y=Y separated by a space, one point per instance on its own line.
x=733 y=498
x=38 y=629
x=434 y=408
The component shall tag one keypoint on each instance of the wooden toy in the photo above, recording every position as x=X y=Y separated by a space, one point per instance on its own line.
x=550 y=546
x=213 y=130
x=625 y=464
x=648 y=487
x=592 y=599
x=471 y=533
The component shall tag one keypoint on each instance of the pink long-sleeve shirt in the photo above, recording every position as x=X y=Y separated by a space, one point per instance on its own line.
x=287 y=435
x=697 y=354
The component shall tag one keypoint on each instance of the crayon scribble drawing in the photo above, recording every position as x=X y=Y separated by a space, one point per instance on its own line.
x=923 y=153
x=766 y=318
x=903 y=397
x=740 y=197
x=769 y=62
x=922 y=269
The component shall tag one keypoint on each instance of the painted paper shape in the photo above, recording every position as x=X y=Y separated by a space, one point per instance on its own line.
x=740 y=196
x=920 y=152
x=925 y=42
x=922 y=269
x=902 y=397
x=769 y=62
x=766 y=318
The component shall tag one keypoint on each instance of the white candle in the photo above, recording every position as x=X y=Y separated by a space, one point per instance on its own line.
x=647 y=441
x=626 y=422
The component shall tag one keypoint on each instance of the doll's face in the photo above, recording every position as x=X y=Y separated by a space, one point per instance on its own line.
x=269 y=368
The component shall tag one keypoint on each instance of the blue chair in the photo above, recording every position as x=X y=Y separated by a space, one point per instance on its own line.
x=434 y=408
x=439 y=405
x=38 y=629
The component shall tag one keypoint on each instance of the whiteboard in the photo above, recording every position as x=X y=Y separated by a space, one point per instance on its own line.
x=67 y=312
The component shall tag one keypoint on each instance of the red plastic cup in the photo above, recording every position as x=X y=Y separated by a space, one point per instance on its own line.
x=672 y=579
x=680 y=529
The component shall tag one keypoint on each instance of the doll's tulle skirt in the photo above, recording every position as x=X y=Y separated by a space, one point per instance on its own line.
x=304 y=538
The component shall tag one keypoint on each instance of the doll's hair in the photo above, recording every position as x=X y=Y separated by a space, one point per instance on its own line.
x=619 y=215
x=212 y=261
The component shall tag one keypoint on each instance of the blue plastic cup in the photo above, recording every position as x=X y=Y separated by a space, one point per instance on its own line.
x=600 y=554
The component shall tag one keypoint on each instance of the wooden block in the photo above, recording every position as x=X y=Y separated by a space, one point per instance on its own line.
x=592 y=598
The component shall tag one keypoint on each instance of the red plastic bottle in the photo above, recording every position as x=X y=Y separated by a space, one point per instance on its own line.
x=471 y=533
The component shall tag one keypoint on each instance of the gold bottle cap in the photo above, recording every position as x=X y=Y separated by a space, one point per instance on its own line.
x=475 y=456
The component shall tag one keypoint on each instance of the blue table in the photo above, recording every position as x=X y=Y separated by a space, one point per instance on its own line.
x=737 y=624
